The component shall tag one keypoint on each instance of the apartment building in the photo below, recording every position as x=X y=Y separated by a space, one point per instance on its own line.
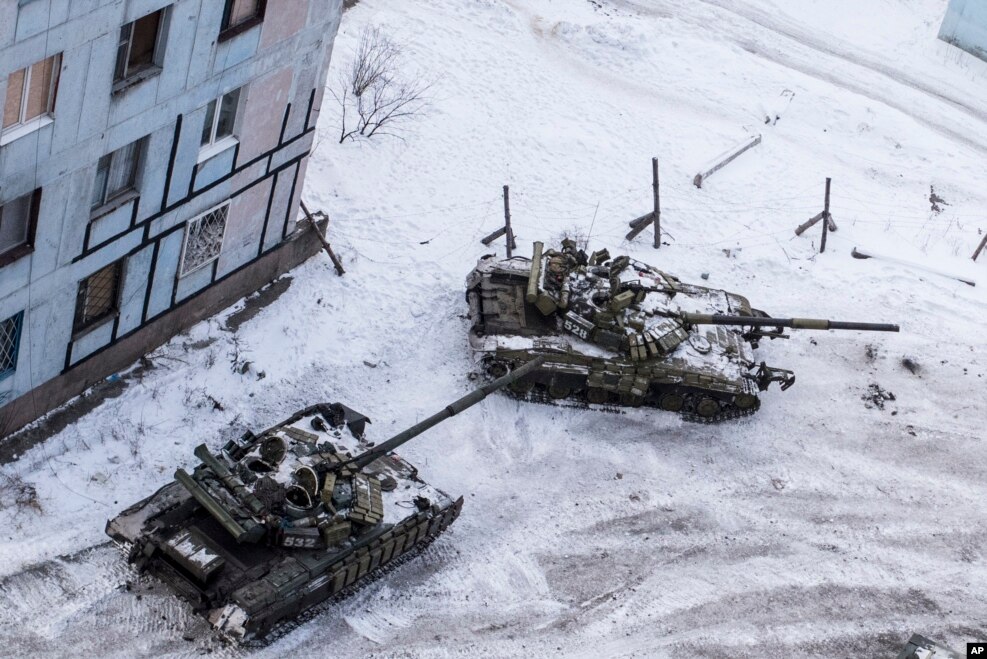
x=152 y=156
x=965 y=26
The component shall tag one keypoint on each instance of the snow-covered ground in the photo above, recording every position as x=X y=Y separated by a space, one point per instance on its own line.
x=820 y=527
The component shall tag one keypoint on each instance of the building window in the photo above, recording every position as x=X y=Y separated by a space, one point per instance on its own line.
x=204 y=239
x=18 y=219
x=10 y=338
x=98 y=297
x=31 y=94
x=116 y=173
x=219 y=126
x=139 y=50
x=240 y=15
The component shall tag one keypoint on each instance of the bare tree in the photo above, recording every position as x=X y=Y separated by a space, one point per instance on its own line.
x=375 y=89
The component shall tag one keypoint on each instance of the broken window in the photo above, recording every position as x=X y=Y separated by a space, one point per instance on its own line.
x=139 y=48
x=31 y=93
x=116 y=173
x=18 y=219
x=204 y=239
x=98 y=296
x=10 y=336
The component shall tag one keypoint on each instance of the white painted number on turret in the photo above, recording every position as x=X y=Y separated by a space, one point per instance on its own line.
x=575 y=329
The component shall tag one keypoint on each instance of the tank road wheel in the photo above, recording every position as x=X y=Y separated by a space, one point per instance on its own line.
x=558 y=391
x=497 y=369
x=631 y=400
x=597 y=396
x=672 y=402
x=522 y=387
x=745 y=401
x=707 y=408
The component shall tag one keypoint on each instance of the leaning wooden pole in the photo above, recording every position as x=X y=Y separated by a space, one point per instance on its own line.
x=825 y=224
x=980 y=247
x=322 y=239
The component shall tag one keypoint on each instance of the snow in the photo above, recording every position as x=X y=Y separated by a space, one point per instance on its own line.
x=819 y=527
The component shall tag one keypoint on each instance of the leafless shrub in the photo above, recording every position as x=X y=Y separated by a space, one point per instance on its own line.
x=15 y=491
x=238 y=356
x=375 y=89
x=131 y=437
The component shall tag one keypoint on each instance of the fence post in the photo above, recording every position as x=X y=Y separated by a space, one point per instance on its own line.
x=654 y=176
x=825 y=222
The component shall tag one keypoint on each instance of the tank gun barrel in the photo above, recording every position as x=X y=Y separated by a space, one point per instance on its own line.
x=794 y=323
x=450 y=410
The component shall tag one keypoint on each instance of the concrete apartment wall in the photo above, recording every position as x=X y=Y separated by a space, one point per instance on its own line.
x=281 y=64
x=965 y=26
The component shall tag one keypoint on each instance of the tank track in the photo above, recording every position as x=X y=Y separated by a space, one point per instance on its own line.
x=540 y=395
x=285 y=627
x=438 y=522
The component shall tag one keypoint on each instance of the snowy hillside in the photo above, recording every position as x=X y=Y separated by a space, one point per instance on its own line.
x=823 y=526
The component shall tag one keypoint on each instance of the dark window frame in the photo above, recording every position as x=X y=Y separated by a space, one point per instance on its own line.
x=25 y=248
x=227 y=31
x=82 y=324
x=127 y=78
x=18 y=319
x=131 y=190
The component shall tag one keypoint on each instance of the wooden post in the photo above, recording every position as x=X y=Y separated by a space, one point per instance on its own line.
x=511 y=245
x=825 y=223
x=654 y=177
x=980 y=248
x=322 y=239
x=800 y=229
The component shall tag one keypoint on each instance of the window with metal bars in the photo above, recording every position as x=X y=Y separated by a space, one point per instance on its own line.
x=140 y=47
x=10 y=337
x=116 y=173
x=98 y=297
x=204 y=239
x=31 y=93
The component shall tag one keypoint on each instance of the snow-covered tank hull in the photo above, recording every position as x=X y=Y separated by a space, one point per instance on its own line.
x=247 y=589
x=618 y=332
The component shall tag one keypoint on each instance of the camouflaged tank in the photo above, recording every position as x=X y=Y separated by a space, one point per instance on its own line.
x=276 y=523
x=919 y=647
x=618 y=332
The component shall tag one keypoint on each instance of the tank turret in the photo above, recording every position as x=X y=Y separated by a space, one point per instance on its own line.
x=275 y=523
x=620 y=332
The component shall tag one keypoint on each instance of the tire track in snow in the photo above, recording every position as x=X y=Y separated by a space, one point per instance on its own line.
x=96 y=588
x=805 y=66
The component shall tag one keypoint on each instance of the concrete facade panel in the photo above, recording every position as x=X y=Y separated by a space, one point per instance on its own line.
x=260 y=126
x=279 y=205
x=111 y=224
x=135 y=276
x=91 y=341
x=965 y=26
x=235 y=51
x=165 y=274
x=215 y=168
x=283 y=19
x=243 y=227
x=193 y=282
x=99 y=80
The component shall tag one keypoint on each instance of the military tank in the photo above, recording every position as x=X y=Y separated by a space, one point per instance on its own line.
x=279 y=522
x=919 y=647
x=617 y=332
